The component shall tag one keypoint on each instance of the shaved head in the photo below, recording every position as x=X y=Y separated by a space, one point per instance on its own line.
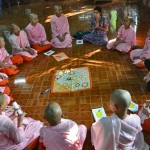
x=121 y=98
x=53 y=113
x=58 y=10
x=56 y=7
x=129 y=18
x=15 y=29
x=13 y=26
x=32 y=16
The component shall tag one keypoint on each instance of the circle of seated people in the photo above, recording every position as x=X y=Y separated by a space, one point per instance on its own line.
x=21 y=132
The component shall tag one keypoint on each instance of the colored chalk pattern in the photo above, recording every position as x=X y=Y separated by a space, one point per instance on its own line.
x=71 y=80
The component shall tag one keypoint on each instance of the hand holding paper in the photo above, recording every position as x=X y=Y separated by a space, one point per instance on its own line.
x=16 y=106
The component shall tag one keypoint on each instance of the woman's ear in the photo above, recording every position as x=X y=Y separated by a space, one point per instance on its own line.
x=116 y=108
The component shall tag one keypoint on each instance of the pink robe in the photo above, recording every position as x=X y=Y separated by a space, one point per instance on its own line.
x=7 y=99
x=141 y=53
x=13 y=138
x=128 y=35
x=65 y=136
x=3 y=55
x=2 y=88
x=36 y=34
x=60 y=25
x=111 y=133
x=19 y=43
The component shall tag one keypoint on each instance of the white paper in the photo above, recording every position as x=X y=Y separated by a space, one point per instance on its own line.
x=133 y=107
x=15 y=105
x=60 y=56
x=48 y=53
x=98 y=113
x=19 y=112
x=78 y=42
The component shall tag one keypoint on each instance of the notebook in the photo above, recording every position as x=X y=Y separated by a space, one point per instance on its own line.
x=48 y=53
x=133 y=107
x=60 y=56
x=78 y=42
x=98 y=113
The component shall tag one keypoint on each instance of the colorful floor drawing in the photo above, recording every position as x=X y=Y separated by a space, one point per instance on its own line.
x=72 y=80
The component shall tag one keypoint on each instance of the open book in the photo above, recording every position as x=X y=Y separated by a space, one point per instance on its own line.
x=133 y=107
x=98 y=113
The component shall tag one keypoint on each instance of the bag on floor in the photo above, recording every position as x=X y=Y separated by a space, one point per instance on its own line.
x=80 y=34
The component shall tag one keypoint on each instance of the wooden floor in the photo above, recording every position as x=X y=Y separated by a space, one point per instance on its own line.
x=110 y=70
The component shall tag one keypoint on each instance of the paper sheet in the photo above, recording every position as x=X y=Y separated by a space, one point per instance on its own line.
x=133 y=107
x=60 y=56
x=48 y=53
x=98 y=113
x=79 y=42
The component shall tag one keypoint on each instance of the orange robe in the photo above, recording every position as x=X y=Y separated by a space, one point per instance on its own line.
x=7 y=90
x=39 y=48
x=36 y=34
x=19 y=43
x=3 y=79
x=4 y=82
x=146 y=125
x=15 y=60
x=145 y=120
x=9 y=71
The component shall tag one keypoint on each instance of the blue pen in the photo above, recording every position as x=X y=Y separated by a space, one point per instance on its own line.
x=46 y=91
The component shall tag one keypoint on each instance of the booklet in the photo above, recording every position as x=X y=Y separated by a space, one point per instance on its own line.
x=133 y=107
x=48 y=53
x=79 y=42
x=98 y=113
x=60 y=56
